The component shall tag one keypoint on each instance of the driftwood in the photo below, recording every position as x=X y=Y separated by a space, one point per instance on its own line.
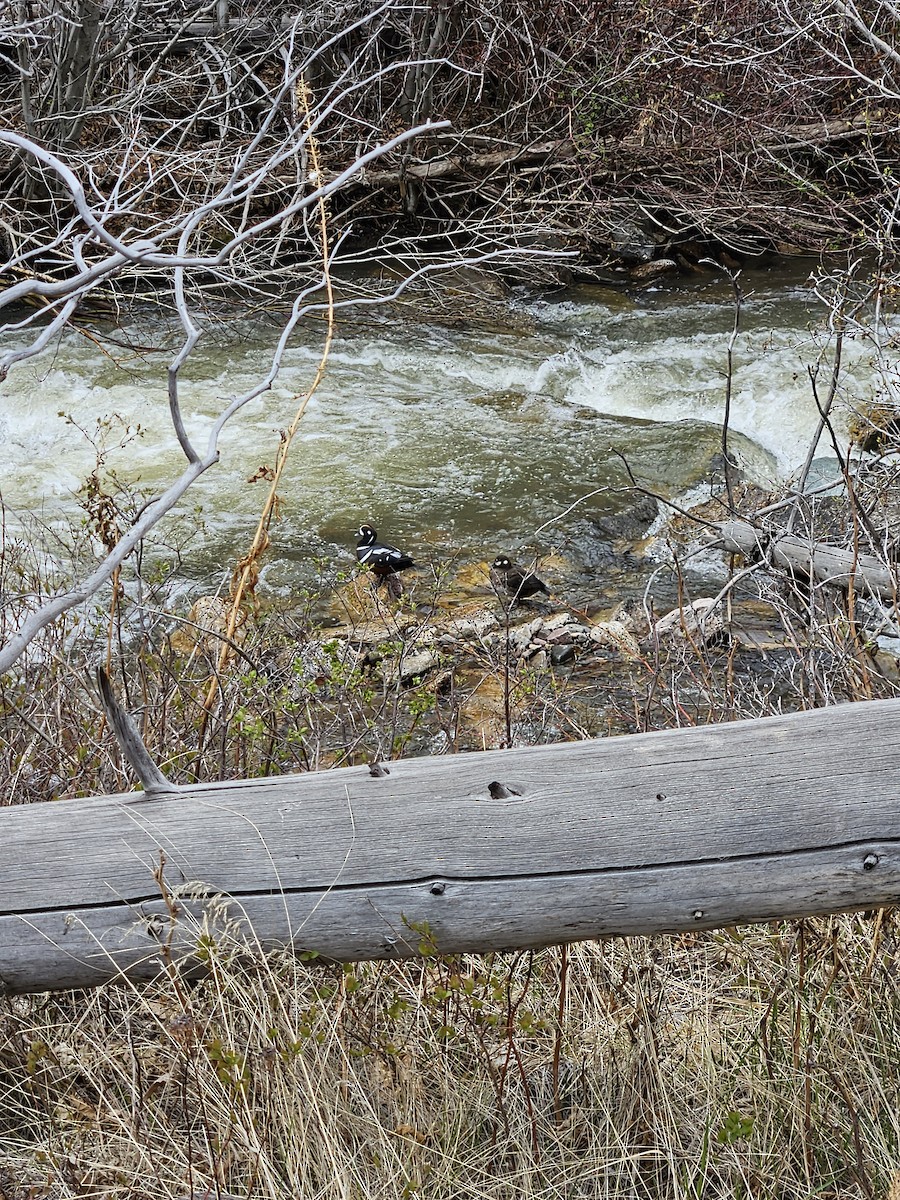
x=465 y=164
x=812 y=560
x=683 y=829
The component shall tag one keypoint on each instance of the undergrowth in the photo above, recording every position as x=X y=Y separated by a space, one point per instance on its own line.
x=742 y=1063
x=747 y=1063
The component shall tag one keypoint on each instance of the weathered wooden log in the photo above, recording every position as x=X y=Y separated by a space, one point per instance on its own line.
x=813 y=560
x=683 y=829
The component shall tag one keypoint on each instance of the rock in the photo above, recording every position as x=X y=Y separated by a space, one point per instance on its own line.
x=562 y=654
x=371 y=633
x=482 y=716
x=521 y=636
x=609 y=540
x=471 y=577
x=471 y=626
x=207 y=618
x=618 y=636
x=562 y=629
x=315 y=662
x=539 y=661
x=701 y=618
x=596 y=274
x=631 y=523
x=557 y=622
x=632 y=242
x=886 y=663
x=579 y=632
x=644 y=272
x=591 y=549
x=874 y=425
x=357 y=600
x=558 y=637
x=473 y=281
x=417 y=664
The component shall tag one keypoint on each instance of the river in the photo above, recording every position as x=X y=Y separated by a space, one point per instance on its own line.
x=451 y=440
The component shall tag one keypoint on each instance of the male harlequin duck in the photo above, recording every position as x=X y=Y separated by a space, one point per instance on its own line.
x=522 y=584
x=381 y=559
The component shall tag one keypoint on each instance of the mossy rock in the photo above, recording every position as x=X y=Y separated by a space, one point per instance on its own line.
x=207 y=626
x=874 y=426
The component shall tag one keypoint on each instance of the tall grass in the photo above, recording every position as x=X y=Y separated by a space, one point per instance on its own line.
x=745 y=1063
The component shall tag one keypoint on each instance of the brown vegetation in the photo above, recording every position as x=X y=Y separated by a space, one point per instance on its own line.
x=749 y=1063
x=629 y=131
x=741 y=1064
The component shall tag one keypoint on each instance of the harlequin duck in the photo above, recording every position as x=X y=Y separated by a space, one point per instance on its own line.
x=506 y=576
x=381 y=559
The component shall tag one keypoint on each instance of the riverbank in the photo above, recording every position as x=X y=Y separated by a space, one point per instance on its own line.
x=641 y=1067
x=640 y=142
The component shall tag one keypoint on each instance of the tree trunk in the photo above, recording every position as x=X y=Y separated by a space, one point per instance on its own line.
x=813 y=560
x=679 y=830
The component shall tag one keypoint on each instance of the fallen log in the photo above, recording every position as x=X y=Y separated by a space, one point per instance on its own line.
x=468 y=163
x=685 y=829
x=812 y=560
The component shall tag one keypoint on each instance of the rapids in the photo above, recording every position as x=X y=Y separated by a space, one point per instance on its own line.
x=464 y=439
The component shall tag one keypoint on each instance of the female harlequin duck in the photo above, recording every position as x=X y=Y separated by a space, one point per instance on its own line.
x=381 y=559
x=522 y=584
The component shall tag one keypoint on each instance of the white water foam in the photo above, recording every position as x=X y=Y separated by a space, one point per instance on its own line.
x=440 y=425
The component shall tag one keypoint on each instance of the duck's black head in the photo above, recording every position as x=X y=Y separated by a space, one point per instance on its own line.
x=366 y=535
x=502 y=563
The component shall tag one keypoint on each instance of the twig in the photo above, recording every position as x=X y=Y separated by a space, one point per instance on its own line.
x=824 y=410
x=131 y=743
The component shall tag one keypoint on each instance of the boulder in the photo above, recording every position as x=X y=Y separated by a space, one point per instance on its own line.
x=700 y=618
x=644 y=272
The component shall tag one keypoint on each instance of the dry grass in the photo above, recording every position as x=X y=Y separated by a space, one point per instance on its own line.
x=746 y=1063
x=754 y=1063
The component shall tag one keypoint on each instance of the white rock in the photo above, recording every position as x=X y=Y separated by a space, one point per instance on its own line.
x=617 y=635
x=702 y=617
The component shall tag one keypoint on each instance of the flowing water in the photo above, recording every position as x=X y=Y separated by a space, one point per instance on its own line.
x=448 y=440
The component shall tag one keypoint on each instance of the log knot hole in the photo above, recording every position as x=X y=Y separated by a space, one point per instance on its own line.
x=438 y=887
x=502 y=791
x=870 y=862
x=155 y=926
